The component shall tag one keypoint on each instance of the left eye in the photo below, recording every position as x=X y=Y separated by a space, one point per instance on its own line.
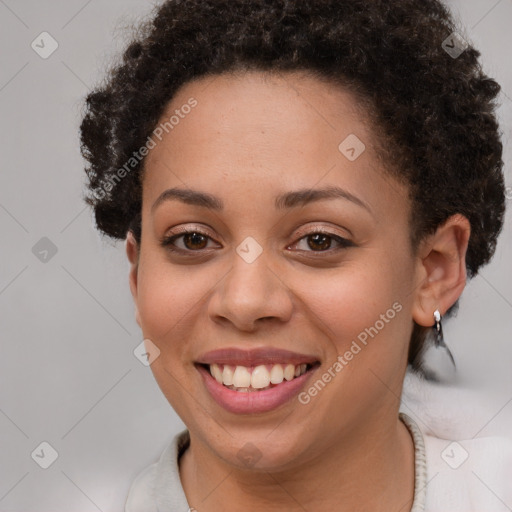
x=196 y=241
x=321 y=242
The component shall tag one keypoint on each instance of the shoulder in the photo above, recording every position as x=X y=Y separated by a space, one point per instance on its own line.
x=466 y=471
x=468 y=474
x=158 y=487
x=141 y=493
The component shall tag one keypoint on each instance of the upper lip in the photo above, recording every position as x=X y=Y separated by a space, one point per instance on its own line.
x=254 y=357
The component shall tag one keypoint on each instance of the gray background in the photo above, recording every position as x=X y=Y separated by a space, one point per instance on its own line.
x=68 y=373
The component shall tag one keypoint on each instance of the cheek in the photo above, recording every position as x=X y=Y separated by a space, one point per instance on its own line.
x=348 y=302
x=166 y=297
x=366 y=315
x=358 y=301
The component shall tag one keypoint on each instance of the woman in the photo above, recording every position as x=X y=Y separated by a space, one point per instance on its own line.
x=304 y=188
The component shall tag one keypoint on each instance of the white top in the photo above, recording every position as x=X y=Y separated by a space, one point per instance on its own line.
x=468 y=475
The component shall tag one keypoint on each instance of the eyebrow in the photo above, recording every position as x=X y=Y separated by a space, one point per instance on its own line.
x=284 y=201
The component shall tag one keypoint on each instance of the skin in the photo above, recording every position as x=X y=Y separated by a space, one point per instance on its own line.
x=250 y=138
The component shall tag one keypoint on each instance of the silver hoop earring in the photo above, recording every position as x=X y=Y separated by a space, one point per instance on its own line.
x=438 y=335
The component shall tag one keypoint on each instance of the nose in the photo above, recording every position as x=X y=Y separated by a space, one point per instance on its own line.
x=250 y=295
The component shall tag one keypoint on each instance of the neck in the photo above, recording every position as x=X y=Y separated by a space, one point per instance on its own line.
x=372 y=469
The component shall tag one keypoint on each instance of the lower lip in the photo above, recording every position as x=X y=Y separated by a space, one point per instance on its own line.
x=253 y=402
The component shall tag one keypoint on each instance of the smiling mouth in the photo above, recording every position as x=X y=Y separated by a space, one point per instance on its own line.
x=250 y=379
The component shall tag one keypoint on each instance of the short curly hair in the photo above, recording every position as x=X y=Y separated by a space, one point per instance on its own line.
x=435 y=112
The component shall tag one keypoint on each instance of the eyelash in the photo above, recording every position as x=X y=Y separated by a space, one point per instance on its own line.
x=168 y=242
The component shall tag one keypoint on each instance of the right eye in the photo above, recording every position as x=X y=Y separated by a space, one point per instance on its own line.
x=192 y=241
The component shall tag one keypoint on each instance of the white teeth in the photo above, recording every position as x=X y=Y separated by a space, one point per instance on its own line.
x=289 y=372
x=241 y=377
x=260 y=377
x=300 y=370
x=216 y=373
x=227 y=375
x=276 y=374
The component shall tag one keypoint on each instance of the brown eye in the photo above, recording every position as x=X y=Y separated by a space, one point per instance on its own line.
x=187 y=241
x=195 y=241
x=319 y=241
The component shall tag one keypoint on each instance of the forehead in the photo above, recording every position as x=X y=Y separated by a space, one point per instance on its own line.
x=257 y=133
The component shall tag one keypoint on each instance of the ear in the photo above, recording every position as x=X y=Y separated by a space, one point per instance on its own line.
x=441 y=269
x=132 y=251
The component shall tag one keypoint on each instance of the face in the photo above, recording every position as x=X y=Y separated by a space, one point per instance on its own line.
x=260 y=280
